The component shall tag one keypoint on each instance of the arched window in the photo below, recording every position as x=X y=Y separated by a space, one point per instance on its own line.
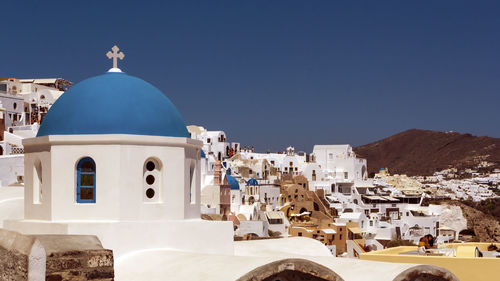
x=85 y=181
x=37 y=182
x=192 y=182
x=151 y=180
x=316 y=206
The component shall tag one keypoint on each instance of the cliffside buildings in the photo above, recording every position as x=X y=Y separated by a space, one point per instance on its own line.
x=23 y=106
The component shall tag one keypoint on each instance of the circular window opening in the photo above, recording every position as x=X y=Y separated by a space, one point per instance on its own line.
x=150 y=193
x=150 y=166
x=150 y=179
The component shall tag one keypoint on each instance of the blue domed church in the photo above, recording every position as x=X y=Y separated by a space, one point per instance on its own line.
x=113 y=158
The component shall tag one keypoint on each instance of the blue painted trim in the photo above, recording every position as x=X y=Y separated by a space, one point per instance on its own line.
x=78 y=176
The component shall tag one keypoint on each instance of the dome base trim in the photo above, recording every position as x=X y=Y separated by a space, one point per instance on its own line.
x=42 y=143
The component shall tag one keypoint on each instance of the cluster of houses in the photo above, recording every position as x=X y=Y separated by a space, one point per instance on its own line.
x=475 y=186
x=23 y=105
x=325 y=195
x=446 y=184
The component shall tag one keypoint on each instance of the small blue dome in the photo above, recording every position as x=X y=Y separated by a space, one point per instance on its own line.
x=252 y=181
x=113 y=103
x=233 y=183
x=203 y=154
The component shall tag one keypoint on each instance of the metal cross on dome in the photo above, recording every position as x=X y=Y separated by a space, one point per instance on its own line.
x=115 y=55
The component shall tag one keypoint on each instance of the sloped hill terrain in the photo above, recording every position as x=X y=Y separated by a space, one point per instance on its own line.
x=423 y=152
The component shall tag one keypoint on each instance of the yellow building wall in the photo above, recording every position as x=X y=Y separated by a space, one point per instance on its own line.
x=466 y=269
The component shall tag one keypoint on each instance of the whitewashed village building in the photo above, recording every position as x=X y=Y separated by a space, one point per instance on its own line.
x=382 y=215
x=23 y=105
x=214 y=142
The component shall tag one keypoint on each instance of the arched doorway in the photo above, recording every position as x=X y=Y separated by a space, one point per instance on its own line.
x=426 y=273
x=292 y=275
x=291 y=270
x=466 y=235
x=316 y=206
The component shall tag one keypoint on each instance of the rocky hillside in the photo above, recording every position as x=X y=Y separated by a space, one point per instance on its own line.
x=423 y=152
x=486 y=227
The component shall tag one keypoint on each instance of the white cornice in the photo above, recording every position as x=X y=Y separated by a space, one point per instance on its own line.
x=34 y=144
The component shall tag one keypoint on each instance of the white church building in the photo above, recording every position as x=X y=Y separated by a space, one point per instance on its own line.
x=126 y=171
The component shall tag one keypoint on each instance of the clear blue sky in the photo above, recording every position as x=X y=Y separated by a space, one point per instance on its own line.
x=274 y=73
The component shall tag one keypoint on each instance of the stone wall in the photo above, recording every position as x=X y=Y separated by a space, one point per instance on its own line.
x=53 y=257
x=94 y=265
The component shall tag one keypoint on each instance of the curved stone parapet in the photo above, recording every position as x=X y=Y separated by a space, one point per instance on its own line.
x=426 y=273
x=291 y=269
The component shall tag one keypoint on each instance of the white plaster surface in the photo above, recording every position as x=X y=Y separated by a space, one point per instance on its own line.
x=123 y=237
x=283 y=246
x=156 y=264
x=11 y=166
x=120 y=163
x=11 y=203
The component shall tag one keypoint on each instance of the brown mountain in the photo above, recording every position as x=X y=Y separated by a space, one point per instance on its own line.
x=423 y=152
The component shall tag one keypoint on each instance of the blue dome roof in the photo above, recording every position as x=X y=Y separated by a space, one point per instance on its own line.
x=233 y=183
x=203 y=154
x=252 y=181
x=113 y=103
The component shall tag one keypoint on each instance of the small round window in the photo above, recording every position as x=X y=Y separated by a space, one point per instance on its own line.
x=150 y=179
x=150 y=166
x=150 y=193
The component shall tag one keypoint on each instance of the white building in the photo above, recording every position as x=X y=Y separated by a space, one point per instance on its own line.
x=105 y=168
x=214 y=142
x=342 y=161
x=13 y=102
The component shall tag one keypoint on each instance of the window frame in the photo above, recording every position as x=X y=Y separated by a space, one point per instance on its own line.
x=78 y=180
